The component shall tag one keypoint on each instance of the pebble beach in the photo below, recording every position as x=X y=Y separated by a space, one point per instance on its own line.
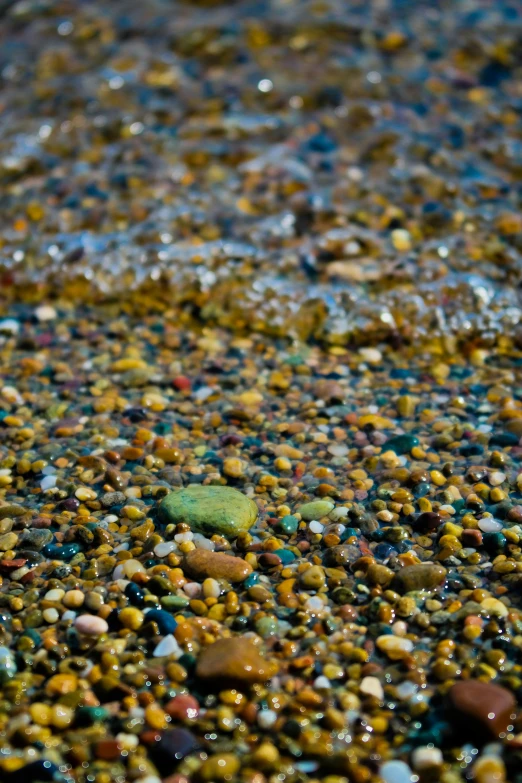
x=260 y=392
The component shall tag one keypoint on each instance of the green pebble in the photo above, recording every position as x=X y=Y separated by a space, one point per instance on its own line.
x=174 y=601
x=316 y=509
x=266 y=626
x=401 y=444
x=288 y=524
x=210 y=510
x=86 y=716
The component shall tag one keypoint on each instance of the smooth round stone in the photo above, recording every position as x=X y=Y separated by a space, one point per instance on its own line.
x=424 y=576
x=316 y=509
x=168 y=647
x=90 y=625
x=395 y=772
x=395 y=647
x=486 y=708
x=200 y=564
x=490 y=525
x=210 y=510
x=401 y=444
x=234 y=660
x=165 y=621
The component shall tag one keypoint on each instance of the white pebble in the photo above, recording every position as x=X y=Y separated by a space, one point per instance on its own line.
x=340 y=512
x=322 y=682
x=314 y=603
x=315 y=526
x=68 y=615
x=127 y=741
x=54 y=595
x=266 y=718
x=168 y=646
x=165 y=548
x=203 y=543
x=90 y=625
x=181 y=537
x=395 y=772
x=192 y=589
x=45 y=313
x=424 y=758
x=370 y=355
x=48 y=482
x=371 y=686
x=127 y=569
x=50 y=615
x=10 y=326
x=496 y=478
x=338 y=449
x=406 y=690
x=490 y=525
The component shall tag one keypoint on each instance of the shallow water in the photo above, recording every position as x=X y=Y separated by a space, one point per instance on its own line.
x=347 y=171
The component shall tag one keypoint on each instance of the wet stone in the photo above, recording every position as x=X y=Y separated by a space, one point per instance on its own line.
x=489 y=707
x=201 y=563
x=234 y=660
x=424 y=576
x=210 y=510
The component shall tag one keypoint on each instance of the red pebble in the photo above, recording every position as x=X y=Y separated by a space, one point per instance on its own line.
x=182 y=707
x=181 y=383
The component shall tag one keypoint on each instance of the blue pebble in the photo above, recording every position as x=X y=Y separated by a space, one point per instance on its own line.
x=285 y=555
x=165 y=621
x=251 y=580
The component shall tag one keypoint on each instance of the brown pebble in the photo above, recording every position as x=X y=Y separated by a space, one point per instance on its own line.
x=201 y=563
x=489 y=707
x=423 y=576
x=427 y=521
x=234 y=660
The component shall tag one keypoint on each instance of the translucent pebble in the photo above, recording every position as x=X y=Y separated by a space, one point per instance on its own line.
x=316 y=527
x=395 y=772
x=314 y=603
x=127 y=569
x=490 y=525
x=68 y=615
x=496 y=478
x=338 y=449
x=164 y=549
x=180 y=537
x=322 y=682
x=266 y=718
x=424 y=758
x=371 y=686
x=406 y=690
x=168 y=646
x=50 y=615
x=54 y=595
x=203 y=543
x=48 y=482
x=192 y=589
x=340 y=512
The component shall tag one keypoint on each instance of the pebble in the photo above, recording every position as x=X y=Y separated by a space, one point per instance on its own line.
x=395 y=772
x=424 y=576
x=371 y=686
x=483 y=705
x=168 y=647
x=200 y=564
x=316 y=510
x=234 y=660
x=90 y=625
x=395 y=647
x=210 y=510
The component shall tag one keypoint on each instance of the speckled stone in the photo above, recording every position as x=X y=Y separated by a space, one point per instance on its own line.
x=424 y=576
x=210 y=510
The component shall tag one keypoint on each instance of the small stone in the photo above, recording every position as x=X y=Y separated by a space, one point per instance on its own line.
x=401 y=444
x=172 y=747
x=234 y=660
x=35 y=539
x=316 y=509
x=131 y=618
x=395 y=772
x=395 y=647
x=313 y=578
x=210 y=510
x=494 y=607
x=164 y=620
x=483 y=705
x=182 y=707
x=8 y=541
x=379 y=575
x=424 y=576
x=61 y=684
x=371 y=686
x=168 y=647
x=221 y=766
x=426 y=758
x=73 y=599
x=201 y=563
x=50 y=615
x=90 y=625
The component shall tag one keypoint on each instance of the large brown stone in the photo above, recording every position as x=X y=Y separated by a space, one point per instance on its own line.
x=424 y=576
x=200 y=564
x=482 y=706
x=234 y=661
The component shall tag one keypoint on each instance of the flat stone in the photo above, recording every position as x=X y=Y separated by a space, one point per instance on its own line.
x=316 y=509
x=210 y=510
x=232 y=661
x=202 y=563
x=489 y=707
x=35 y=539
x=424 y=576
